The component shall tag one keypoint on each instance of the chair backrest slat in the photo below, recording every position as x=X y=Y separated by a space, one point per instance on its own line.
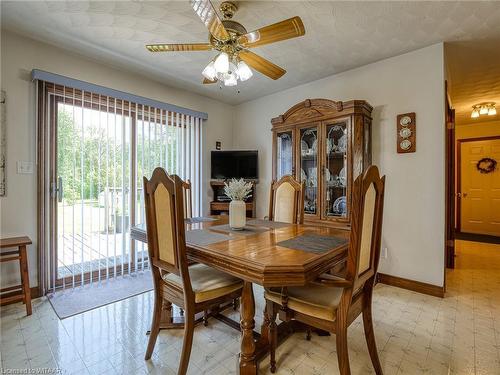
x=365 y=250
x=164 y=209
x=286 y=203
x=164 y=202
x=366 y=227
x=188 y=202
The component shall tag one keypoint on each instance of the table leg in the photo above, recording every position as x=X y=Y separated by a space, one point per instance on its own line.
x=167 y=319
x=25 y=280
x=248 y=363
x=264 y=329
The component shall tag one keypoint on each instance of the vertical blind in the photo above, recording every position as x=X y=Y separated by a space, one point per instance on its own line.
x=94 y=150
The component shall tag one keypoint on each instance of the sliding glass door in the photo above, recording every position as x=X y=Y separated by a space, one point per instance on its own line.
x=100 y=149
x=93 y=169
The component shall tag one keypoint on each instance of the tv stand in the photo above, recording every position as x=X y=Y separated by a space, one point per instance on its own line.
x=220 y=206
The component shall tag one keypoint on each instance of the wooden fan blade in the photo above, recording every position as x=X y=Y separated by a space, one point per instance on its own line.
x=179 y=47
x=207 y=81
x=262 y=65
x=287 y=29
x=206 y=11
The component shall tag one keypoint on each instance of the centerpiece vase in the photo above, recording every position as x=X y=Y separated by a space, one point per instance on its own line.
x=237 y=215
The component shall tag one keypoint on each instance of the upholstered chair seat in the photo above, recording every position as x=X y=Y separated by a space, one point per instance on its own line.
x=207 y=282
x=318 y=301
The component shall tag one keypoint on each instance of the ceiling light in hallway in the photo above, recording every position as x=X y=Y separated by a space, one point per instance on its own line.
x=480 y=109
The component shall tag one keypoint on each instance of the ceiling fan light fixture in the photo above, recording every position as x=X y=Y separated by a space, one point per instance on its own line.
x=244 y=71
x=221 y=63
x=230 y=39
x=475 y=113
x=492 y=111
x=209 y=71
x=483 y=110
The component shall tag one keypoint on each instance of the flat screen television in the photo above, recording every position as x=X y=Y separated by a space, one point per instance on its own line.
x=234 y=164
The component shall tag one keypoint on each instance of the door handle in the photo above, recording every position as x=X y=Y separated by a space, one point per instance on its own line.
x=59 y=189
x=56 y=189
x=464 y=195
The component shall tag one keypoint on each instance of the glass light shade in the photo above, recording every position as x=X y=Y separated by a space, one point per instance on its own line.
x=233 y=70
x=221 y=63
x=483 y=110
x=244 y=72
x=492 y=111
x=209 y=72
x=230 y=80
x=475 y=113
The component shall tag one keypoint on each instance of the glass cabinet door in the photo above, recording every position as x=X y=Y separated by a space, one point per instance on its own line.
x=308 y=162
x=336 y=171
x=284 y=154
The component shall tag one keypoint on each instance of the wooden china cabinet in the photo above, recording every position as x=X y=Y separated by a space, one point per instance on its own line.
x=328 y=144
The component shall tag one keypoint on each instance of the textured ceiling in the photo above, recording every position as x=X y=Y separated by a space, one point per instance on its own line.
x=339 y=35
x=474 y=71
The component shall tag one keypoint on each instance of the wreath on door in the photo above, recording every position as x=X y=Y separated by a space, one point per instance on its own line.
x=486 y=165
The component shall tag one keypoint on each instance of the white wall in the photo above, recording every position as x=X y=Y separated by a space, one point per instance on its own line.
x=19 y=55
x=413 y=227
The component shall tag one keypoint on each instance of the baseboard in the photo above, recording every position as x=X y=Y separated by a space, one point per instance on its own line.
x=35 y=293
x=416 y=286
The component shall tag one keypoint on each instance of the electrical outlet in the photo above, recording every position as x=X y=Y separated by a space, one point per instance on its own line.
x=24 y=167
x=384 y=252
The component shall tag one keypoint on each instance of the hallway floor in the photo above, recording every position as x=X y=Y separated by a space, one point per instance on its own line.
x=416 y=334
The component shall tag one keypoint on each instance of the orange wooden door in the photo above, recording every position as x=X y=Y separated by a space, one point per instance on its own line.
x=479 y=192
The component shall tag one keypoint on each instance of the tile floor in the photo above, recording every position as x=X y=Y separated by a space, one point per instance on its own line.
x=416 y=334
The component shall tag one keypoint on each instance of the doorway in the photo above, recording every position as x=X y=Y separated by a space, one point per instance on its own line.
x=478 y=186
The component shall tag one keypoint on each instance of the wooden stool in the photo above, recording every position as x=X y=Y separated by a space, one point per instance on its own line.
x=19 y=254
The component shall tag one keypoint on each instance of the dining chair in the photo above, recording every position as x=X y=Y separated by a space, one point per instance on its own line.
x=286 y=202
x=188 y=214
x=195 y=288
x=332 y=303
x=188 y=202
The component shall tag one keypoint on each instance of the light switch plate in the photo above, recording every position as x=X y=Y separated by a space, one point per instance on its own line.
x=384 y=252
x=24 y=167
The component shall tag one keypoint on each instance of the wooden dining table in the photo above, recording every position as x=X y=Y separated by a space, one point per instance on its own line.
x=261 y=258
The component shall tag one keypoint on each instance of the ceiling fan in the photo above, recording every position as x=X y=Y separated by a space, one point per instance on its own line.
x=233 y=42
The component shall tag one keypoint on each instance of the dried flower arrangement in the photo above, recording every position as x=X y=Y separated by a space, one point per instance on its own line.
x=238 y=190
